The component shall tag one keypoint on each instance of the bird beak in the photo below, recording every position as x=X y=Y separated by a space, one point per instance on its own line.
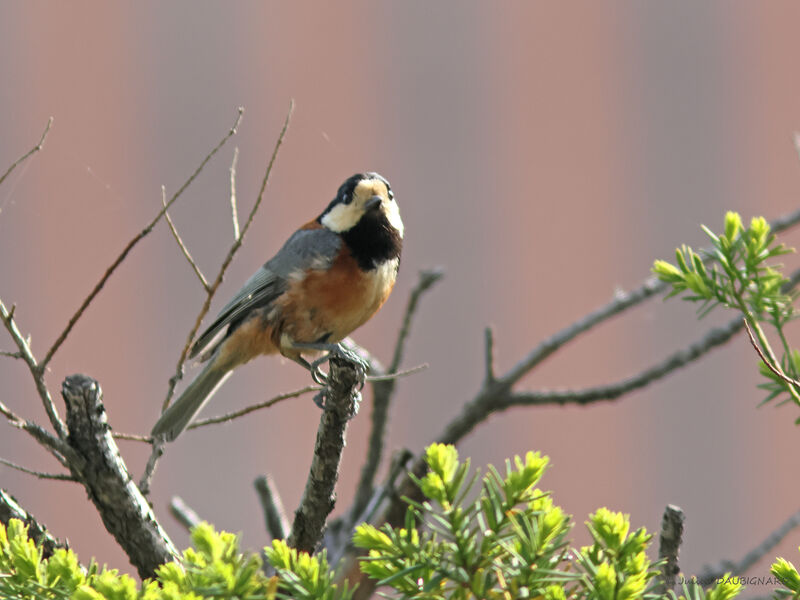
x=373 y=202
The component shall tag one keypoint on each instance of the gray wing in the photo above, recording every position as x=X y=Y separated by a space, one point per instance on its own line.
x=305 y=249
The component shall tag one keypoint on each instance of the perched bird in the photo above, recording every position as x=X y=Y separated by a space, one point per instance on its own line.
x=328 y=279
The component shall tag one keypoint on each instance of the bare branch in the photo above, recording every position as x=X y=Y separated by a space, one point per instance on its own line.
x=136 y=239
x=398 y=374
x=382 y=395
x=38 y=474
x=60 y=450
x=150 y=468
x=500 y=397
x=30 y=152
x=125 y=511
x=184 y=513
x=341 y=404
x=246 y=411
x=234 y=211
x=712 y=339
x=774 y=368
x=231 y=253
x=621 y=302
x=11 y=509
x=9 y=414
x=36 y=370
x=132 y=437
x=182 y=246
x=740 y=567
x=670 y=540
x=426 y=279
x=274 y=514
x=11 y=354
x=489 y=377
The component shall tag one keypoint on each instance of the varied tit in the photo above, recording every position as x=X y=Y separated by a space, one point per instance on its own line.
x=327 y=280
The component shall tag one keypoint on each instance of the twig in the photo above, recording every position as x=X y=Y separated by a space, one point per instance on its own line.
x=274 y=514
x=57 y=447
x=30 y=152
x=398 y=374
x=426 y=279
x=382 y=396
x=210 y=292
x=136 y=239
x=499 y=397
x=132 y=437
x=39 y=474
x=341 y=404
x=11 y=509
x=184 y=513
x=774 y=368
x=670 y=540
x=247 y=410
x=236 y=244
x=125 y=511
x=150 y=468
x=710 y=574
x=11 y=354
x=621 y=302
x=488 y=344
x=9 y=414
x=36 y=370
x=182 y=246
x=234 y=211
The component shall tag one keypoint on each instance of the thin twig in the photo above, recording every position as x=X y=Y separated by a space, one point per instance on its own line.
x=136 y=239
x=500 y=397
x=9 y=414
x=740 y=567
x=254 y=407
x=39 y=474
x=132 y=437
x=774 y=368
x=274 y=514
x=30 y=152
x=11 y=354
x=36 y=370
x=60 y=450
x=184 y=513
x=398 y=374
x=488 y=345
x=427 y=278
x=236 y=244
x=150 y=468
x=182 y=246
x=234 y=211
x=621 y=302
x=173 y=381
x=382 y=396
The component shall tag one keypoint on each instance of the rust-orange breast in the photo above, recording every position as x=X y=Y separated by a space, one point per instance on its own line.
x=329 y=304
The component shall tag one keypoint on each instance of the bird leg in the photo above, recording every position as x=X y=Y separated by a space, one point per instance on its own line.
x=332 y=350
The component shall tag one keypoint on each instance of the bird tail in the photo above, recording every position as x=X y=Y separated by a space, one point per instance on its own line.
x=182 y=411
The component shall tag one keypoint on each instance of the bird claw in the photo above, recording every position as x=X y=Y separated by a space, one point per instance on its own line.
x=339 y=351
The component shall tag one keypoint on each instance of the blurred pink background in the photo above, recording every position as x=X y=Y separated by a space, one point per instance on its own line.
x=544 y=155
